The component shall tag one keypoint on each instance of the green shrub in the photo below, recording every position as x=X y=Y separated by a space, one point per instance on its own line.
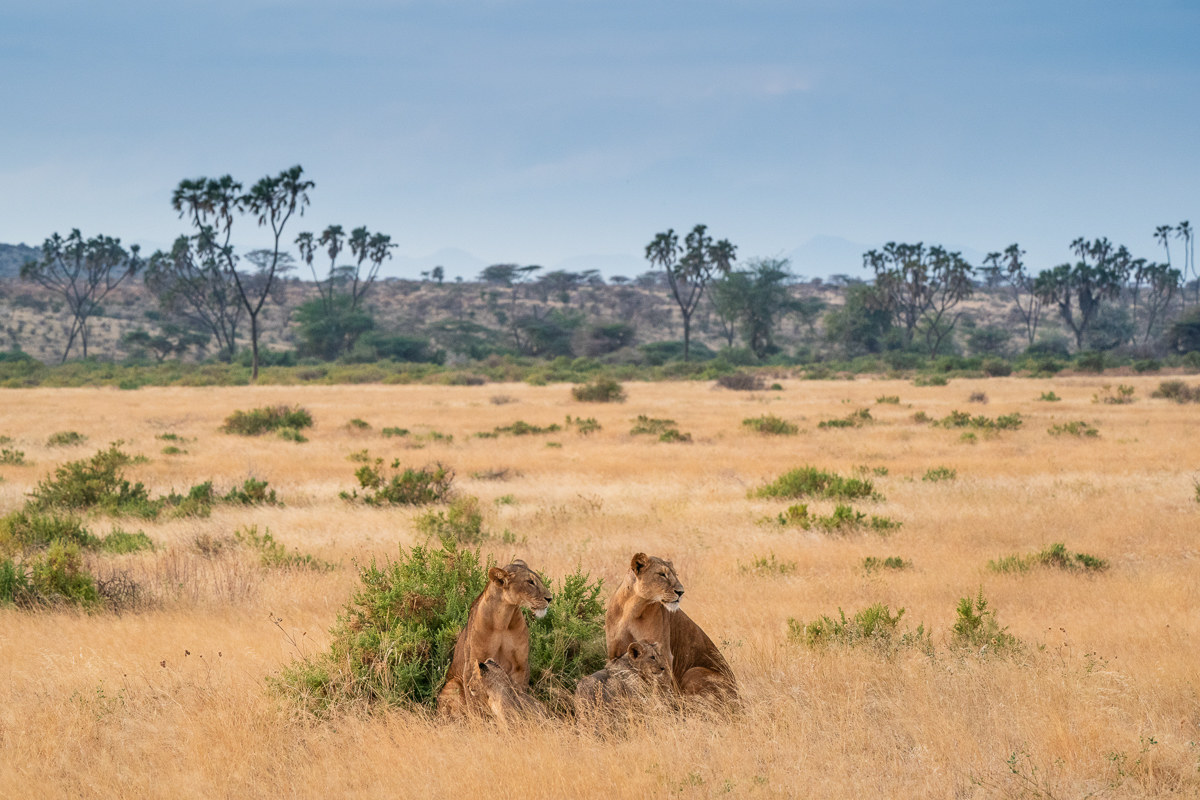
x=673 y=435
x=1178 y=391
x=996 y=367
x=12 y=457
x=520 y=428
x=414 y=487
x=1122 y=396
x=584 y=426
x=935 y=474
x=96 y=483
x=292 y=435
x=1080 y=429
x=741 y=382
x=392 y=643
x=961 y=419
x=58 y=575
x=843 y=519
x=602 y=390
x=357 y=424
x=198 y=502
x=874 y=625
x=855 y=419
x=273 y=555
x=771 y=425
x=769 y=565
x=930 y=380
x=172 y=450
x=266 y=419
x=1050 y=397
x=871 y=563
x=977 y=628
x=1055 y=556
x=888 y=399
x=393 y=431
x=462 y=521
x=65 y=439
x=252 y=492
x=23 y=531
x=812 y=482
x=1143 y=365
x=119 y=542
x=664 y=429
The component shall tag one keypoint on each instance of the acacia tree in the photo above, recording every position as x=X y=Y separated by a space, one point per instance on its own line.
x=1009 y=267
x=1079 y=290
x=690 y=268
x=921 y=285
x=754 y=300
x=83 y=272
x=191 y=284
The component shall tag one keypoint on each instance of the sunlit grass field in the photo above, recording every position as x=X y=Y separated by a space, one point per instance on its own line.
x=1101 y=698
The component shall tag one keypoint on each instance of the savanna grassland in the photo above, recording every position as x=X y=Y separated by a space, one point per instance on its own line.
x=1098 y=698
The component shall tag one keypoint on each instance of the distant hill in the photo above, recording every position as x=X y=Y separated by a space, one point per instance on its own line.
x=12 y=256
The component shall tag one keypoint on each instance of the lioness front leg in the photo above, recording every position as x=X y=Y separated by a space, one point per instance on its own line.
x=706 y=683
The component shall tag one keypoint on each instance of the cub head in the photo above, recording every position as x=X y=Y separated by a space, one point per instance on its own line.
x=647 y=660
x=655 y=580
x=494 y=689
x=521 y=586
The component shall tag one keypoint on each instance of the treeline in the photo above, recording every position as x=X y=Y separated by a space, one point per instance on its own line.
x=212 y=300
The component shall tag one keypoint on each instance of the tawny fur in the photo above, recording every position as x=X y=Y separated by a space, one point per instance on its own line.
x=491 y=688
x=642 y=671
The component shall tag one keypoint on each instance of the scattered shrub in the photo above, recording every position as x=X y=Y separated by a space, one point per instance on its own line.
x=741 y=382
x=935 y=474
x=266 y=419
x=930 y=380
x=769 y=566
x=871 y=563
x=462 y=521
x=855 y=419
x=584 y=426
x=172 y=450
x=252 y=492
x=1080 y=429
x=65 y=439
x=520 y=428
x=921 y=418
x=1055 y=555
x=978 y=397
x=24 y=531
x=1050 y=397
x=961 y=419
x=119 y=542
x=874 y=625
x=888 y=399
x=812 y=482
x=415 y=487
x=664 y=429
x=996 y=367
x=843 y=519
x=1122 y=396
x=501 y=399
x=357 y=424
x=602 y=390
x=393 y=431
x=1143 y=365
x=12 y=457
x=292 y=435
x=771 y=425
x=96 y=483
x=1178 y=391
x=273 y=555
x=977 y=628
x=497 y=474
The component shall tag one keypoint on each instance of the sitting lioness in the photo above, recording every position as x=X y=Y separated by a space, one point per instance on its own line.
x=640 y=671
x=496 y=630
x=493 y=688
x=646 y=608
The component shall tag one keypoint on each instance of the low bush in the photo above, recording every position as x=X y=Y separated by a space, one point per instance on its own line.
x=812 y=482
x=267 y=419
x=1178 y=391
x=855 y=419
x=357 y=424
x=1122 y=395
x=65 y=439
x=978 y=397
x=742 y=382
x=961 y=419
x=12 y=457
x=96 y=483
x=389 y=432
x=393 y=642
x=1055 y=556
x=664 y=429
x=273 y=555
x=976 y=628
x=843 y=519
x=252 y=492
x=602 y=390
x=1080 y=429
x=414 y=487
x=768 y=565
x=584 y=426
x=888 y=399
x=119 y=542
x=996 y=367
x=874 y=626
x=1050 y=397
x=935 y=474
x=520 y=428
x=771 y=425
x=930 y=380
x=462 y=521
x=872 y=563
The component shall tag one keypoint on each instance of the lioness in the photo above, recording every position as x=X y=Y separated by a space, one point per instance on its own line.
x=641 y=670
x=496 y=629
x=646 y=608
x=493 y=688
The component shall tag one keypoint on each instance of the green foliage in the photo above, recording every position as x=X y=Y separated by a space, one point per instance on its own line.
x=1056 y=556
x=664 y=429
x=961 y=419
x=172 y=450
x=266 y=419
x=252 y=492
x=977 y=628
x=462 y=521
x=292 y=435
x=888 y=399
x=855 y=419
x=415 y=487
x=1080 y=429
x=768 y=565
x=996 y=367
x=96 y=483
x=59 y=576
x=118 y=542
x=601 y=390
x=273 y=555
x=742 y=382
x=520 y=428
x=872 y=563
x=394 y=431
x=393 y=642
x=935 y=474
x=812 y=482
x=65 y=439
x=1050 y=397
x=198 y=502
x=842 y=520
x=584 y=426
x=874 y=626
x=357 y=424
x=771 y=425
x=1123 y=395
x=23 y=531
x=1178 y=391
x=930 y=380
x=12 y=457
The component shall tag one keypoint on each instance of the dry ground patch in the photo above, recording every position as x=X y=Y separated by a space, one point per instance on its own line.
x=174 y=699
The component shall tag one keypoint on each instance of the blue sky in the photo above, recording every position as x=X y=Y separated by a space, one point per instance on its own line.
x=568 y=133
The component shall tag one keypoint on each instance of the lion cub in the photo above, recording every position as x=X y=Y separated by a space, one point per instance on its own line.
x=640 y=671
x=493 y=688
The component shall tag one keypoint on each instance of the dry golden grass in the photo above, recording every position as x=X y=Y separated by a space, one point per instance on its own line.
x=173 y=700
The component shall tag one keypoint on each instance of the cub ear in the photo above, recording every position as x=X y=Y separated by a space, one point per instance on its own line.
x=483 y=667
x=634 y=650
x=640 y=562
x=498 y=575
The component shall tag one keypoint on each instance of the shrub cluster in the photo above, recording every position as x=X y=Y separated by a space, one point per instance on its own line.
x=842 y=520
x=855 y=419
x=872 y=563
x=742 y=382
x=519 y=428
x=273 y=555
x=411 y=487
x=935 y=474
x=664 y=429
x=771 y=425
x=584 y=426
x=874 y=625
x=977 y=628
x=1078 y=428
x=1056 y=556
x=65 y=439
x=1122 y=395
x=769 y=565
x=601 y=390
x=961 y=419
x=812 y=482
x=285 y=420
x=462 y=521
x=1178 y=391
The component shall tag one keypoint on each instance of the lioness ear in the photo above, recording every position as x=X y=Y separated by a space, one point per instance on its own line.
x=634 y=651
x=498 y=575
x=639 y=563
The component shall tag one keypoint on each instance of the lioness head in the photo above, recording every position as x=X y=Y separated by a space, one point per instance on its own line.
x=521 y=586
x=655 y=580
x=646 y=659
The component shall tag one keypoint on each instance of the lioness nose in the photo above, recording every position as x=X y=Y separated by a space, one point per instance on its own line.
x=679 y=592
